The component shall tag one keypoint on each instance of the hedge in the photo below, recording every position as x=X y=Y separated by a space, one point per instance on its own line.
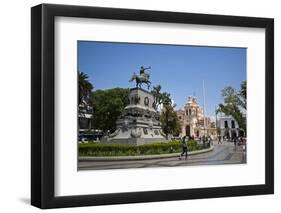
x=101 y=149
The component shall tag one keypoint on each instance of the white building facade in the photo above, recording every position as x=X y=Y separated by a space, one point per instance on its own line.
x=229 y=127
x=85 y=115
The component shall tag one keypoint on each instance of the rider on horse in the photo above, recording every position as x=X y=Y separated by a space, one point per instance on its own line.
x=143 y=77
x=142 y=71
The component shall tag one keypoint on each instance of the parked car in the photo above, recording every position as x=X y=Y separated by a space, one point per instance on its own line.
x=89 y=137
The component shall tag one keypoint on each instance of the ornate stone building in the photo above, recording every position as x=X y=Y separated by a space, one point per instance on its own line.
x=85 y=115
x=192 y=120
x=229 y=127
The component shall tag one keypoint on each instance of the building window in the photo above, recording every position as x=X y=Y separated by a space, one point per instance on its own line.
x=145 y=131
x=146 y=101
x=233 y=124
x=84 y=123
x=225 y=124
x=180 y=117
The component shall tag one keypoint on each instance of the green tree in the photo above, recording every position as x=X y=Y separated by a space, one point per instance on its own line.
x=168 y=118
x=243 y=95
x=235 y=104
x=107 y=107
x=160 y=97
x=85 y=87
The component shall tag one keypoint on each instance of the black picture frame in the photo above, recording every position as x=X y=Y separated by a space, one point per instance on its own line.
x=43 y=102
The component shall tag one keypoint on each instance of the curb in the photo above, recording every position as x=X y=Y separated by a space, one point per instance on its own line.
x=142 y=157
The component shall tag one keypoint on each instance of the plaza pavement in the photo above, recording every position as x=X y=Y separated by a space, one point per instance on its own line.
x=225 y=153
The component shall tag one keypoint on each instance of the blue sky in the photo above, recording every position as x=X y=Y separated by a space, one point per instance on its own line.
x=180 y=70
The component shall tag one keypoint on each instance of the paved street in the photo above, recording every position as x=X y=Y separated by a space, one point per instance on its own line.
x=225 y=153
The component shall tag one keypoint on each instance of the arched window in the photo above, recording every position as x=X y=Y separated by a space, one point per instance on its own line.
x=233 y=124
x=225 y=124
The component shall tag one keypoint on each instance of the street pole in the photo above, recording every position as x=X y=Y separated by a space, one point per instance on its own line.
x=204 y=105
x=216 y=112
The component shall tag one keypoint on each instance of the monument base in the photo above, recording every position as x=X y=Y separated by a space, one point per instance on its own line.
x=139 y=123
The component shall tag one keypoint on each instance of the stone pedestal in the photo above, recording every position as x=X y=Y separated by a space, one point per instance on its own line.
x=139 y=123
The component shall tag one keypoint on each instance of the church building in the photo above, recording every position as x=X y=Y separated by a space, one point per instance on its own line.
x=192 y=120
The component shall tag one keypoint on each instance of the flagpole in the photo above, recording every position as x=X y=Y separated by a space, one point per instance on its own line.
x=204 y=105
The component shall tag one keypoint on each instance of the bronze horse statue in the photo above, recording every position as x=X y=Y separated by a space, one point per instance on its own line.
x=142 y=78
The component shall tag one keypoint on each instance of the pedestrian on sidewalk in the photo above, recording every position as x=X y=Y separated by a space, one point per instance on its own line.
x=184 y=147
x=204 y=141
x=235 y=142
x=219 y=141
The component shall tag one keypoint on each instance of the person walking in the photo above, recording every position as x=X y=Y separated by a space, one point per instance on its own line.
x=204 y=141
x=235 y=143
x=184 y=148
x=210 y=140
x=219 y=141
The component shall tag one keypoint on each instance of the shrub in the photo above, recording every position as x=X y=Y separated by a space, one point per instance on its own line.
x=99 y=149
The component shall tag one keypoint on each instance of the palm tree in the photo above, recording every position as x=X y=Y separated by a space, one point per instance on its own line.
x=85 y=87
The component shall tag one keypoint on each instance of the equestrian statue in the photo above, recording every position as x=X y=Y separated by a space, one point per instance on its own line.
x=143 y=77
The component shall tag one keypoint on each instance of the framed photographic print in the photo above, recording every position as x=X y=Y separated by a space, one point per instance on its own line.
x=139 y=106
